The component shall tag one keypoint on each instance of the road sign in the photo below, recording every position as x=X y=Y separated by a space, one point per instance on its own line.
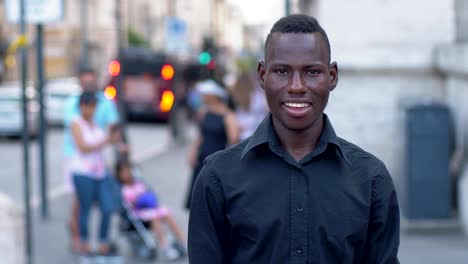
x=37 y=11
x=176 y=36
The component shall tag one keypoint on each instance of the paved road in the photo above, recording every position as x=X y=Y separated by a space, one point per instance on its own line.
x=145 y=139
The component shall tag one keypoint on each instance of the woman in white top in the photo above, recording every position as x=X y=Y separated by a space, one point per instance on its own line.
x=89 y=171
x=250 y=102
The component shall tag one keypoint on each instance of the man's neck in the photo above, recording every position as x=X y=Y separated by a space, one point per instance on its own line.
x=299 y=143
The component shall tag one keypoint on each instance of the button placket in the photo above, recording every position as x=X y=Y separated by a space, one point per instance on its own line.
x=301 y=202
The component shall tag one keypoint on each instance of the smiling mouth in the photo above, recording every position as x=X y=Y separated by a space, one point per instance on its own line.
x=297 y=105
x=297 y=110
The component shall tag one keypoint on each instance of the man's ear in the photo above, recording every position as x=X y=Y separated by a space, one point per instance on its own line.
x=261 y=73
x=333 y=75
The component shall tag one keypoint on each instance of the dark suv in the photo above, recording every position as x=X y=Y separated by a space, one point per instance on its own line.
x=148 y=80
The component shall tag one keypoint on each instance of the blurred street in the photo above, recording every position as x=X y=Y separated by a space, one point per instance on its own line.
x=422 y=247
x=145 y=139
x=189 y=65
x=159 y=171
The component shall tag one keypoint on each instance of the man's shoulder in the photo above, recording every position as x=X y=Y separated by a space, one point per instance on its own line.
x=103 y=101
x=229 y=156
x=359 y=157
x=72 y=100
x=222 y=166
x=71 y=109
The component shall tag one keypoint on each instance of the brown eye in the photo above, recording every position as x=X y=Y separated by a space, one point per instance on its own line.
x=313 y=72
x=281 y=71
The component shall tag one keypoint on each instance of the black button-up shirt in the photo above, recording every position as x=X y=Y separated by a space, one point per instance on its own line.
x=253 y=203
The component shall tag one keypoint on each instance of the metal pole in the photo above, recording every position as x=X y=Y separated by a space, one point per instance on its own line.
x=288 y=7
x=84 y=33
x=25 y=138
x=119 y=81
x=42 y=121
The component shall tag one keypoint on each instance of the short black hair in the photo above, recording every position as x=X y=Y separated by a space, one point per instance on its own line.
x=87 y=98
x=86 y=70
x=298 y=24
x=123 y=163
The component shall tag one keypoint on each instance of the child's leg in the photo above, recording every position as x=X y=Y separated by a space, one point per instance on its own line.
x=174 y=228
x=158 y=232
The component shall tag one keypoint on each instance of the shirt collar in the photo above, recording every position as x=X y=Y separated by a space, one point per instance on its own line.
x=265 y=133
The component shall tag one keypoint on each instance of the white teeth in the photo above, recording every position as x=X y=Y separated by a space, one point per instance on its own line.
x=297 y=105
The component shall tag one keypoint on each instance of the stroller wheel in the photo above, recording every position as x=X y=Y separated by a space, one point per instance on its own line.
x=144 y=253
x=180 y=249
x=113 y=248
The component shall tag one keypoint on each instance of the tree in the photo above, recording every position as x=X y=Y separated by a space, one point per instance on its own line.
x=135 y=39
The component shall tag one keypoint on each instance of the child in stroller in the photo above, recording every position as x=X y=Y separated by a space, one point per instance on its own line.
x=140 y=203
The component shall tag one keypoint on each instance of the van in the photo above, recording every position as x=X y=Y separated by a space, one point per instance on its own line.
x=148 y=80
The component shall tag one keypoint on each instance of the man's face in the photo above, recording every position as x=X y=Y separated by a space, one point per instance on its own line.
x=297 y=79
x=88 y=82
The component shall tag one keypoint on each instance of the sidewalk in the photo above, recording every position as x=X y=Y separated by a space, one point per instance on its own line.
x=436 y=246
x=167 y=173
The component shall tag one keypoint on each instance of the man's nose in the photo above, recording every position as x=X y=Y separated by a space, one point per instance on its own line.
x=296 y=84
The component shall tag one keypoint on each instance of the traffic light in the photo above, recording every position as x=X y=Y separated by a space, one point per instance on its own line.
x=204 y=58
x=114 y=68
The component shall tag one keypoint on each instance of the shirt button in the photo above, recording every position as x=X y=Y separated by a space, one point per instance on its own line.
x=300 y=209
x=299 y=251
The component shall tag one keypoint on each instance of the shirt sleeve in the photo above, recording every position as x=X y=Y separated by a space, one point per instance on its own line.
x=71 y=110
x=112 y=113
x=208 y=229
x=383 y=235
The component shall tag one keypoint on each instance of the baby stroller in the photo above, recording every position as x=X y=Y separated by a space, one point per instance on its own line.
x=140 y=238
x=138 y=232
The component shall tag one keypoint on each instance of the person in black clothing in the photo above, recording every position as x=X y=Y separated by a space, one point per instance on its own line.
x=294 y=192
x=218 y=128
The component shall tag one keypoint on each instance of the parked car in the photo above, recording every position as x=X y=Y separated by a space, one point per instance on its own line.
x=57 y=93
x=11 y=114
x=148 y=80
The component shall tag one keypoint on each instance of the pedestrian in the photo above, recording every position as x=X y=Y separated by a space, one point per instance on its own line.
x=105 y=116
x=217 y=128
x=88 y=166
x=251 y=104
x=146 y=206
x=294 y=192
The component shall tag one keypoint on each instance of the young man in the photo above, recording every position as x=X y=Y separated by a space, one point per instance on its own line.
x=106 y=115
x=294 y=192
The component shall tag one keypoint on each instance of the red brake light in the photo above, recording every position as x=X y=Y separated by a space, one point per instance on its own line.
x=110 y=92
x=167 y=100
x=167 y=72
x=114 y=68
x=211 y=65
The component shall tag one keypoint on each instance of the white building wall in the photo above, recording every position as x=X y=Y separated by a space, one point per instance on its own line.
x=387 y=23
x=233 y=31
x=385 y=53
